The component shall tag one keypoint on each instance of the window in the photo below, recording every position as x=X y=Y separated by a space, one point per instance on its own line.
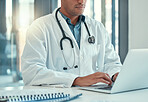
x=19 y=15
x=106 y=12
x=26 y=16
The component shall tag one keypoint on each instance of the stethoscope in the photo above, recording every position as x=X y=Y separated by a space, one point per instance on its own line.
x=91 y=40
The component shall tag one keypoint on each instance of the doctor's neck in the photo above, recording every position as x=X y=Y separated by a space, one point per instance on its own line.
x=72 y=16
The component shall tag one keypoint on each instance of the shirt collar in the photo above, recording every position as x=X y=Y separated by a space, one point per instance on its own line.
x=68 y=20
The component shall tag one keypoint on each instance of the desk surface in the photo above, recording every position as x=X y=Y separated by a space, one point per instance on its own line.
x=89 y=96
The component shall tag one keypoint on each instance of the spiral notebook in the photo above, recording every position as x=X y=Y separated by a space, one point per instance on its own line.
x=36 y=95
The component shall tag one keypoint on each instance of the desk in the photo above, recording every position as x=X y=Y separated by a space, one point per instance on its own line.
x=89 y=96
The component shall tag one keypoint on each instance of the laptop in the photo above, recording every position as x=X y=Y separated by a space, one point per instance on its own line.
x=133 y=74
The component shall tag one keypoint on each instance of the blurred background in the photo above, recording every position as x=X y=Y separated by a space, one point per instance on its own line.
x=123 y=20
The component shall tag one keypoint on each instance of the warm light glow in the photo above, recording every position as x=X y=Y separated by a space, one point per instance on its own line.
x=97 y=4
x=8 y=17
x=26 y=16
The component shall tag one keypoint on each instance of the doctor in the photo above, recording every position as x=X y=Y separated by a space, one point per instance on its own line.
x=68 y=48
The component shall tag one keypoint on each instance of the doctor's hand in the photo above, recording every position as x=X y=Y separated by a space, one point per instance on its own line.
x=93 y=79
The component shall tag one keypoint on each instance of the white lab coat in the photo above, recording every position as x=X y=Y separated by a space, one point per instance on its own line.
x=42 y=59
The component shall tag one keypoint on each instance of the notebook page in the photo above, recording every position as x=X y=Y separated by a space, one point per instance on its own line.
x=26 y=92
x=36 y=95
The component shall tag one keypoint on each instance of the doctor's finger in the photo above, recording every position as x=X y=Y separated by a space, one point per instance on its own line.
x=105 y=77
x=115 y=77
x=104 y=81
x=109 y=82
x=101 y=74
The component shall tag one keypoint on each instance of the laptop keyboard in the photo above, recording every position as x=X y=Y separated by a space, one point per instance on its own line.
x=104 y=87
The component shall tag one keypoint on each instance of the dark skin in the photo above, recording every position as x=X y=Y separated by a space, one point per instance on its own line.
x=73 y=9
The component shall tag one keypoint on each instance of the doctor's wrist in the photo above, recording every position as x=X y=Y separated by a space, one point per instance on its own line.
x=76 y=81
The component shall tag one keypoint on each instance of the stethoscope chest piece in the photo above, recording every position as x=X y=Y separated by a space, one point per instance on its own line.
x=91 y=39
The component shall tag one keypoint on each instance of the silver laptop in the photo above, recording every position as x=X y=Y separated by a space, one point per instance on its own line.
x=133 y=74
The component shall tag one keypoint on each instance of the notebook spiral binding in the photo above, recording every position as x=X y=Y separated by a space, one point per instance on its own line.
x=50 y=97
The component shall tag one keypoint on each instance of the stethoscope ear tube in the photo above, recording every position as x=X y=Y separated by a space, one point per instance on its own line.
x=63 y=33
x=56 y=15
x=87 y=28
x=61 y=43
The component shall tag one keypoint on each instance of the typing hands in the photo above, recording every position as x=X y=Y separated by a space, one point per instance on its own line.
x=94 y=78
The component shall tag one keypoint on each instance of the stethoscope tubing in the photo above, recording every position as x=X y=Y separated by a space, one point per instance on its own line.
x=91 y=40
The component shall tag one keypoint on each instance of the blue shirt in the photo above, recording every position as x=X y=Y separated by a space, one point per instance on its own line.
x=75 y=29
